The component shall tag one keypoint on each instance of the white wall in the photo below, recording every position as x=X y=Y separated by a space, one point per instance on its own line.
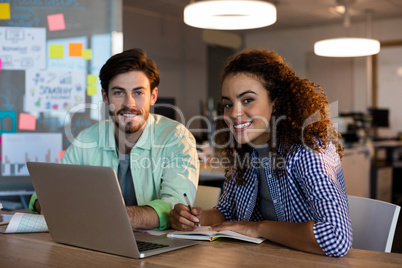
x=297 y=45
x=178 y=51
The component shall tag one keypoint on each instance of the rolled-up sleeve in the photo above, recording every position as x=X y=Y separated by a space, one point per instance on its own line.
x=163 y=210
x=323 y=183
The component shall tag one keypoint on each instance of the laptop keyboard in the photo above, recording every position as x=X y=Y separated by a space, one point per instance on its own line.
x=144 y=246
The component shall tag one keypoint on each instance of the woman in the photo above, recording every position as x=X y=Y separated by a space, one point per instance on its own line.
x=284 y=181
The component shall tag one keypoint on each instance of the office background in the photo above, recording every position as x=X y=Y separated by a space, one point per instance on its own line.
x=190 y=68
x=42 y=77
x=182 y=51
x=190 y=61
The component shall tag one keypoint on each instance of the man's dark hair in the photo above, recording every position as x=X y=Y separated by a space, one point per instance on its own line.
x=130 y=60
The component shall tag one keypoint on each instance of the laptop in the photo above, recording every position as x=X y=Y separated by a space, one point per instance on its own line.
x=83 y=207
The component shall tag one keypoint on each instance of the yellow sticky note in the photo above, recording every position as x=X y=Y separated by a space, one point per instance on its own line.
x=91 y=79
x=56 y=51
x=91 y=90
x=87 y=54
x=75 y=49
x=4 y=11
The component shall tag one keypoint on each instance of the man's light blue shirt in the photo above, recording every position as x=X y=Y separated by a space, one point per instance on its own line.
x=164 y=161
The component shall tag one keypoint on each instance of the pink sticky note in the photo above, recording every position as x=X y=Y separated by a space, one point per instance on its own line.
x=56 y=22
x=27 y=122
x=0 y=64
x=61 y=153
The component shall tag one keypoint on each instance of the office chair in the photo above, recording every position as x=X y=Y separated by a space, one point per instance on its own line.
x=207 y=196
x=373 y=223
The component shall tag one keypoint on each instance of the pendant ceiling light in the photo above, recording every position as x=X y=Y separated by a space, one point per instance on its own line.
x=347 y=46
x=229 y=14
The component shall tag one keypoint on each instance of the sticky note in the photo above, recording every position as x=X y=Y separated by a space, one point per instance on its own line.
x=56 y=22
x=27 y=122
x=56 y=51
x=61 y=153
x=91 y=90
x=87 y=54
x=0 y=64
x=75 y=50
x=91 y=79
x=4 y=11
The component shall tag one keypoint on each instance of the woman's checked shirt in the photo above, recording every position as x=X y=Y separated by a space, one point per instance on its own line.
x=313 y=189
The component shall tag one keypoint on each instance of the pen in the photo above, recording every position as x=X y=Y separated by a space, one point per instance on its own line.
x=4 y=222
x=189 y=206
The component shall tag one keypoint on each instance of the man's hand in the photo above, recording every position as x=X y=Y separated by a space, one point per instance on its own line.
x=37 y=207
x=143 y=217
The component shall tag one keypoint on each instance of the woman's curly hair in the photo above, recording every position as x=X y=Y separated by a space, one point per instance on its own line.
x=301 y=105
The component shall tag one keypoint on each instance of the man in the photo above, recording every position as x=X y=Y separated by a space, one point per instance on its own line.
x=155 y=157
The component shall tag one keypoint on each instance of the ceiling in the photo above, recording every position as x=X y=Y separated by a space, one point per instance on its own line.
x=290 y=13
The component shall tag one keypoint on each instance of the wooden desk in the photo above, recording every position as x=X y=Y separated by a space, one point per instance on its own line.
x=391 y=148
x=384 y=184
x=38 y=250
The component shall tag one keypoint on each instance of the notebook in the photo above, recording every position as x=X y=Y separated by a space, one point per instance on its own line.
x=83 y=207
x=202 y=233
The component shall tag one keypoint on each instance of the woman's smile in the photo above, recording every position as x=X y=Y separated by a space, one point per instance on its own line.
x=247 y=108
x=241 y=126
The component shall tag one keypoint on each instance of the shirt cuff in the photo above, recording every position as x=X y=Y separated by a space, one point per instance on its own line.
x=332 y=242
x=34 y=197
x=163 y=210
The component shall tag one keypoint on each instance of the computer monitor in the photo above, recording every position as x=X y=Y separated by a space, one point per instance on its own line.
x=380 y=117
x=165 y=106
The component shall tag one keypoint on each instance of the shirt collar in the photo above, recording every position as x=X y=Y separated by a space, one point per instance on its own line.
x=145 y=140
x=106 y=135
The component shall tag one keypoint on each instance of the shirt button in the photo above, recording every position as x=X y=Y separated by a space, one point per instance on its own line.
x=274 y=201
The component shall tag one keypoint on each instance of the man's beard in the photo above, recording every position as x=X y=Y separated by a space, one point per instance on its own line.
x=129 y=127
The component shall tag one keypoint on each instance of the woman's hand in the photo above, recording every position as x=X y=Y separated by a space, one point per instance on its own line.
x=182 y=219
x=295 y=235
x=248 y=228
